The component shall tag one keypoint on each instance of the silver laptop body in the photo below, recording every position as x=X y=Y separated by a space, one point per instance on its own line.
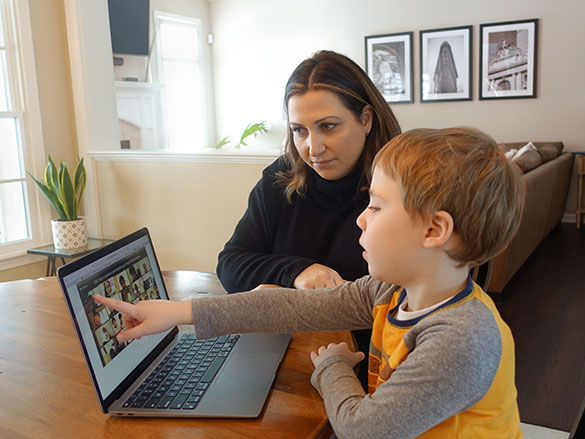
x=226 y=376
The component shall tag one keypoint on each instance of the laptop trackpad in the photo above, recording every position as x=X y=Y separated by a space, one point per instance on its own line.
x=242 y=386
x=275 y=343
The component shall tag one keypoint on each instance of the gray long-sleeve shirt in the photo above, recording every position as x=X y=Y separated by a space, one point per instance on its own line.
x=455 y=357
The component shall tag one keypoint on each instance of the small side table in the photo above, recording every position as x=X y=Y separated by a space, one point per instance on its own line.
x=53 y=253
x=580 y=177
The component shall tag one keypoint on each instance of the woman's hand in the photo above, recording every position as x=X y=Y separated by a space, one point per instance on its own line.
x=266 y=287
x=317 y=276
x=333 y=349
x=148 y=316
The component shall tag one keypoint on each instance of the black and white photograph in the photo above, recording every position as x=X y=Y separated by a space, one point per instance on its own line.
x=445 y=60
x=389 y=65
x=508 y=59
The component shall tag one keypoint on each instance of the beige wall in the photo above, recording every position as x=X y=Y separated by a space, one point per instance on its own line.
x=29 y=271
x=190 y=208
x=54 y=79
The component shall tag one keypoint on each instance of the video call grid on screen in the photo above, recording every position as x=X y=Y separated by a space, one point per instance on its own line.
x=80 y=282
x=132 y=280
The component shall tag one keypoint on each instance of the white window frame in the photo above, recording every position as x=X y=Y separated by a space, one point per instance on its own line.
x=157 y=71
x=21 y=78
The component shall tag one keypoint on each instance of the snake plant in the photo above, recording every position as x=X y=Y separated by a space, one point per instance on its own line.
x=63 y=194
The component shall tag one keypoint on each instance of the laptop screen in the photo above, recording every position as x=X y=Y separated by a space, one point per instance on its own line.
x=130 y=273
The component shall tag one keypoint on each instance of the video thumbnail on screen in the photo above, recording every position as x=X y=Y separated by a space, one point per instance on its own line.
x=131 y=282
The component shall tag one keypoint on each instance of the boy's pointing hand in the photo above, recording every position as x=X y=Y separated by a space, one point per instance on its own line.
x=148 y=316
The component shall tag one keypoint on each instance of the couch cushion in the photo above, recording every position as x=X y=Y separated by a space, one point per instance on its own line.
x=512 y=145
x=528 y=147
x=528 y=160
x=507 y=147
x=558 y=145
x=549 y=151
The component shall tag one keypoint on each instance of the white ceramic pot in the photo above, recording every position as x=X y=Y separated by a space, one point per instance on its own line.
x=69 y=234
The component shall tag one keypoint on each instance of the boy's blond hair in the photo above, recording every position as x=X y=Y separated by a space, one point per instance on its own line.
x=463 y=172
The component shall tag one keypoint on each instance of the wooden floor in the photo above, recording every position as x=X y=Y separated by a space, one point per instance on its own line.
x=544 y=305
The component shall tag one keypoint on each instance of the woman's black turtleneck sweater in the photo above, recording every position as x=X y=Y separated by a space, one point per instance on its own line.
x=276 y=240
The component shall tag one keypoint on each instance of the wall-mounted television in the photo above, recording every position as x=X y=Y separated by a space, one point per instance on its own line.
x=129 y=23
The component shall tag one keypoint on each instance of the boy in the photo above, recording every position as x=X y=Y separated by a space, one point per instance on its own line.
x=441 y=361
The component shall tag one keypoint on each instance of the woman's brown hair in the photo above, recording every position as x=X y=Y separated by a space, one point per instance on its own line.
x=327 y=70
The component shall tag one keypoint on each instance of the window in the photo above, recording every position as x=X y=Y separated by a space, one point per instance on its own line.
x=16 y=127
x=180 y=71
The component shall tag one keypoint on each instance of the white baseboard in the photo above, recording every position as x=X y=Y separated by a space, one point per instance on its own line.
x=569 y=218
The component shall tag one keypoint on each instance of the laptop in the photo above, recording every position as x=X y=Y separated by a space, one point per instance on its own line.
x=169 y=374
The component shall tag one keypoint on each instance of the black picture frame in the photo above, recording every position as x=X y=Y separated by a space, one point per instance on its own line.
x=389 y=64
x=507 y=59
x=445 y=64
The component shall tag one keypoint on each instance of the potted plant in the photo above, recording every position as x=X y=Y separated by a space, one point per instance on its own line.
x=69 y=230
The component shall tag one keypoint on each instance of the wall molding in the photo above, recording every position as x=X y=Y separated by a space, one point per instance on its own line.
x=211 y=156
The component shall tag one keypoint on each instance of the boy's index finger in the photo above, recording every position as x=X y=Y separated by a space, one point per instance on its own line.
x=118 y=305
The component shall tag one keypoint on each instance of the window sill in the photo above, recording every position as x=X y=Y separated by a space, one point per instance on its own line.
x=264 y=156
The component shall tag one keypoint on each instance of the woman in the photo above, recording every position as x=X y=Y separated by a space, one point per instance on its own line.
x=299 y=229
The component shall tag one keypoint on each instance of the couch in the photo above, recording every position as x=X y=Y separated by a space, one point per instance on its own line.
x=547 y=174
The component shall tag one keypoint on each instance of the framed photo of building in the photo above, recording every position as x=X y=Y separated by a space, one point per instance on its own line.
x=507 y=60
x=389 y=65
x=445 y=64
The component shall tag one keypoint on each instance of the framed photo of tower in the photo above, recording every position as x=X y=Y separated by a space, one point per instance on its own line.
x=389 y=65
x=507 y=59
x=445 y=64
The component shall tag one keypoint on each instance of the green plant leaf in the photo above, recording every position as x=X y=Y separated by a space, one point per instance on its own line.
x=67 y=195
x=223 y=142
x=51 y=196
x=51 y=177
x=80 y=180
x=255 y=129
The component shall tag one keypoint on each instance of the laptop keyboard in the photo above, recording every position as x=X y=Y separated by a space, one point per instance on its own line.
x=183 y=376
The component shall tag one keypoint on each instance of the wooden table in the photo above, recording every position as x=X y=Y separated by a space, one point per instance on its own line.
x=46 y=390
